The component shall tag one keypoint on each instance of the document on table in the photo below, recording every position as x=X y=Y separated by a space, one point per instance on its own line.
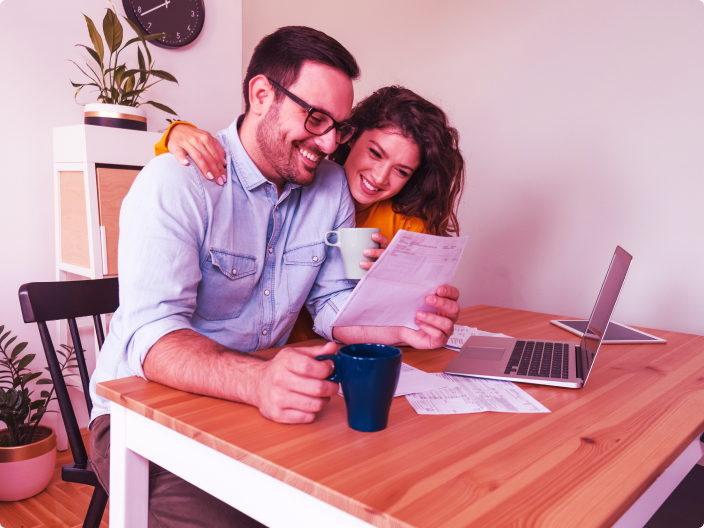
x=462 y=333
x=413 y=266
x=474 y=395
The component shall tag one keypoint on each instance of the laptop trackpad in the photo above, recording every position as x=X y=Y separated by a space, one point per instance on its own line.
x=485 y=353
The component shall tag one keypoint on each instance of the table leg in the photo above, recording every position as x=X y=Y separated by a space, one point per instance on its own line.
x=129 y=476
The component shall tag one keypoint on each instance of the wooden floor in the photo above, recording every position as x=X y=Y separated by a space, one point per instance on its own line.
x=61 y=505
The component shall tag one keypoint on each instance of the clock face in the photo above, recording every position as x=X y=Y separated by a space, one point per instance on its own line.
x=181 y=20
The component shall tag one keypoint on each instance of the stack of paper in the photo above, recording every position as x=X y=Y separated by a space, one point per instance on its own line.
x=444 y=394
x=462 y=333
x=473 y=395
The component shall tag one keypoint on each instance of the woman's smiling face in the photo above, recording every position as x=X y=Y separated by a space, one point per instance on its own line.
x=379 y=164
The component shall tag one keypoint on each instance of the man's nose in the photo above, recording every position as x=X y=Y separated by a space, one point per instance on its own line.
x=327 y=142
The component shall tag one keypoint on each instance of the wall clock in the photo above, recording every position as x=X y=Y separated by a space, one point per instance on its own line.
x=181 y=20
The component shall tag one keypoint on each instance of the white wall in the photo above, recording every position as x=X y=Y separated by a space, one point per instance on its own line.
x=582 y=124
x=36 y=39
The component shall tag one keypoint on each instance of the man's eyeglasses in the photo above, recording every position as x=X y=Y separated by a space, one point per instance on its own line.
x=318 y=122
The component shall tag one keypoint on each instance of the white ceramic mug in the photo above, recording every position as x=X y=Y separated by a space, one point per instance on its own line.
x=352 y=243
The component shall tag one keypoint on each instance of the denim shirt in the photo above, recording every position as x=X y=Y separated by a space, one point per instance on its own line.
x=235 y=263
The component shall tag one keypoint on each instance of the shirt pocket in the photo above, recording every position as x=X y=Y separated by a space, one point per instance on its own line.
x=302 y=265
x=226 y=284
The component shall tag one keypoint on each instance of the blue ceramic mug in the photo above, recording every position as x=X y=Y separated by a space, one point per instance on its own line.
x=368 y=374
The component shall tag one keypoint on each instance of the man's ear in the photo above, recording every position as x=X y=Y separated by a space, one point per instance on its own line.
x=261 y=95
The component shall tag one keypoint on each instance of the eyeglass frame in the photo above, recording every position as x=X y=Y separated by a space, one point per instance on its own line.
x=311 y=109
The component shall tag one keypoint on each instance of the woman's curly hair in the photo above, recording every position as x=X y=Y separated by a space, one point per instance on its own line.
x=433 y=191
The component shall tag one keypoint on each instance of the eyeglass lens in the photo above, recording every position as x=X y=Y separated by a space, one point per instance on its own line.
x=319 y=124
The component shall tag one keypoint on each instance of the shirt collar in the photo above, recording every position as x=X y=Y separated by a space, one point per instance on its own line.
x=249 y=174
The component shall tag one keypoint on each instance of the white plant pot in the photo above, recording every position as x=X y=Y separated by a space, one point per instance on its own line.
x=27 y=470
x=116 y=116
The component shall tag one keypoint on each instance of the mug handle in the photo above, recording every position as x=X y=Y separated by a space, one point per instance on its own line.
x=330 y=243
x=333 y=357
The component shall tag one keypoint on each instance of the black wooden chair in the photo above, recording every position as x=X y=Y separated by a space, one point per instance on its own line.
x=52 y=301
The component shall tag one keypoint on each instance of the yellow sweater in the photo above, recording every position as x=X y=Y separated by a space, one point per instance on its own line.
x=160 y=148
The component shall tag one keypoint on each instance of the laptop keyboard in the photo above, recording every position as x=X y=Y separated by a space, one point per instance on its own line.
x=537 y=358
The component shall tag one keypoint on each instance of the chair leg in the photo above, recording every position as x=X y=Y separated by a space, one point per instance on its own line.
x=96 y=508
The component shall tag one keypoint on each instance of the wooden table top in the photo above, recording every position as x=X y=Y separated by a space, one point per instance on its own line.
x=584 y=464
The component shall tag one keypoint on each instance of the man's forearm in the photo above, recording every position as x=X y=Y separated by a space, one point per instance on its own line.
x=189 y=361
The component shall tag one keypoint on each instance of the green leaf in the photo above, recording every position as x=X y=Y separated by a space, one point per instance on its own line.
x=19 y=348
x=3 y=337
x=93 y=54
x=141 y=37
x=44 y=381
x=6 y=441
x=155 y=36
x=9 y=342
x=163 y=75
x=44 y=394
x=2 y=327
x=142 y=67
x=129 y=95
x=112 y=29
x=119 y=72
x=26 y=360
x=84 y=73
x=29 y=377
x=96 y=40
x=161 y=107
x=36 y=404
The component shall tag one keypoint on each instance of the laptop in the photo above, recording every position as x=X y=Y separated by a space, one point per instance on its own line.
x=555 y=363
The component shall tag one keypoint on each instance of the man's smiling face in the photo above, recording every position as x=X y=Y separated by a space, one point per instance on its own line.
x=289 y=150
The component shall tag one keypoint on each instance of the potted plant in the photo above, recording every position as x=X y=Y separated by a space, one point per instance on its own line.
x=119 y=87
x=27 y=449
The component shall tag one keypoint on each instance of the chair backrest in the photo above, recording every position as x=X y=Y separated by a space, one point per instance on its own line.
x=53 y=301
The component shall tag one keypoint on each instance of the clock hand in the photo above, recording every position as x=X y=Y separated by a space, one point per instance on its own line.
x=157 y=7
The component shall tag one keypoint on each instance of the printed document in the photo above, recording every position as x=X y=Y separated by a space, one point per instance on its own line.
x=474 y=395
x=413 y=266
x=462 y=333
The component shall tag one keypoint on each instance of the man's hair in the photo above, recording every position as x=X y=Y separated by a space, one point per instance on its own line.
x=280 y=56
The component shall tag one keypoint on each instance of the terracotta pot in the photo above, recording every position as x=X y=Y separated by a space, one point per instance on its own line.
x=116 y=116
x=26 y=470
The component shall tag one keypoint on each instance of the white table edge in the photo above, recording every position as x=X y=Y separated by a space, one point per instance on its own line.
x=135 y=440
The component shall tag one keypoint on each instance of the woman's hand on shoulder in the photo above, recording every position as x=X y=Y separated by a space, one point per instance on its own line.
x=202 y=147
x=374 y=253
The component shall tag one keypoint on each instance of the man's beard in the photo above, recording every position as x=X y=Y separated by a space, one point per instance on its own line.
x=279 y=154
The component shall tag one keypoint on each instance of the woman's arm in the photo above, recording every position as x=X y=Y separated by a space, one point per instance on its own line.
x=184 y=139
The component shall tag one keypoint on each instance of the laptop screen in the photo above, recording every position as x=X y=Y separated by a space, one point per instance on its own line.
x=604 y=308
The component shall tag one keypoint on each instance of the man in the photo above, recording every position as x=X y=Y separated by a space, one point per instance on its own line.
x=209 y=273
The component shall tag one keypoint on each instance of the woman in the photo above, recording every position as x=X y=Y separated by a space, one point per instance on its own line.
x=403 y=166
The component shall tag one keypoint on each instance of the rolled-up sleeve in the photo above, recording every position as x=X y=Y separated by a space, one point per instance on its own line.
x=162 y=227
x=331 y=288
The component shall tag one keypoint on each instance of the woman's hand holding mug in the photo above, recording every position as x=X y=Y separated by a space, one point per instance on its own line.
x=373 y=252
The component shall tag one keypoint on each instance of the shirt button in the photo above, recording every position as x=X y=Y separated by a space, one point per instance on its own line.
x=266 y=292
x=315 y=259
x=264 y=332
x=271 y=250
x=234 y=272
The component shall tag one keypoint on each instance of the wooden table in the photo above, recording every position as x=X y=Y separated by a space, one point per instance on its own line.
x=632 y=431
